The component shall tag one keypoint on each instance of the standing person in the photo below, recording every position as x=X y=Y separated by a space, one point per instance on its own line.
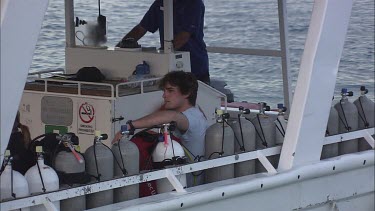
x=188 y=21
x=180 y=94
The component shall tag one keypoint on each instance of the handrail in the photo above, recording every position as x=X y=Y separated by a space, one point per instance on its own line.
x=160 y=174
x=77 y=83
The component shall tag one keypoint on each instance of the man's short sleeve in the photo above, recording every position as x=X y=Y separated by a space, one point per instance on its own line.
x=150 y=19
x=191 y=16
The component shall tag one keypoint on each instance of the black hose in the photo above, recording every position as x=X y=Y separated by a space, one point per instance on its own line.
x=282 y=128
x=235 y=137
x=346 y=124
x=114 y=157
x=41 y=177
x=96 y=163
x=11 y=183
x=243 y=142
x=122 y=159
x=364 y=119
x=264 y=142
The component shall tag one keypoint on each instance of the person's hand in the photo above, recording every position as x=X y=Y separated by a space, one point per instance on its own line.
x=117 y=137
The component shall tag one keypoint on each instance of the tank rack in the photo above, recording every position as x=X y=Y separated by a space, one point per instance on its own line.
x=108 y=89
x=171 y=172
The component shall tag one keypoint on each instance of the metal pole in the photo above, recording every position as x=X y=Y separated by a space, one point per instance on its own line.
x=168 y=26
x=285 y=63
x=69 y=24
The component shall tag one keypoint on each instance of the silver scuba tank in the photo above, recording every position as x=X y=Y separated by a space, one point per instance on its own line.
x=42 y=178
x=265 y=134
x=366 y=114
x=280 y=124
x=244 y=133
x=331 y=150
x=127 y=156
x=13 y=184
x=219 y=141
x=99 y=163
x=348 y=121
x=70 y=162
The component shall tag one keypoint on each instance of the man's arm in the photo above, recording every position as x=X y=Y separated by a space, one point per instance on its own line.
x=161 y=117
x=181 y=39
x=137 y=33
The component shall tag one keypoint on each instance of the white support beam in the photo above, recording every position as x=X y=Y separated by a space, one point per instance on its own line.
x=349 y=136
x=266 y=163
x=21 y=22
x=316 y=83
x=174 y=181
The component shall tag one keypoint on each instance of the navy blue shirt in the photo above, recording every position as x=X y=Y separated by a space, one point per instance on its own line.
x=188 y=17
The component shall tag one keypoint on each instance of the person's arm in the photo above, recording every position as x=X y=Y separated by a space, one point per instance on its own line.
x=157 y=118
x=161 y=117
x=136 y=33
x=181 y=39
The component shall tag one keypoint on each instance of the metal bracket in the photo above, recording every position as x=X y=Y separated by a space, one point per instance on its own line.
x=49 y=205
x=266 y=163
x=174 y=181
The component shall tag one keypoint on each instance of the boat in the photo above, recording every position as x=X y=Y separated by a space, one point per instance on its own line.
x=301 y=181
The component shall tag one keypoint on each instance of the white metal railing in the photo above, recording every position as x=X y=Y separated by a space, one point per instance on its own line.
x=39 y=73
x=73 y=84
x=169 y=173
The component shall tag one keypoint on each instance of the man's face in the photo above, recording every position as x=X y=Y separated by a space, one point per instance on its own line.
x=173 y=99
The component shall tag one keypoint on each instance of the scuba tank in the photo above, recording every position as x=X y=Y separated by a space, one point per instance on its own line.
x=348 y=121
x=331 y=150
x=280 y=124
x=366 y=114
x=99 y=163
x=168 y=152
x=13 y=184
x=70 y=166
x=219 y=141
x=265 y=129
x=42 y=178
x=127 y=154
x=244 y=133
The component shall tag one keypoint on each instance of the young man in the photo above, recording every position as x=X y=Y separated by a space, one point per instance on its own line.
x=180 y=95
x=188 y=21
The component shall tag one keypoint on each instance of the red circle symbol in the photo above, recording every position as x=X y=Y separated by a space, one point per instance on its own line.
x=86 y=113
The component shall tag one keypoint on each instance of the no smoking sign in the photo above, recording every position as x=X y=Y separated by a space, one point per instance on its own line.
x=86 y=113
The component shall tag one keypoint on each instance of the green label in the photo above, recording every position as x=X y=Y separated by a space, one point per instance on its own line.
x=56 y=129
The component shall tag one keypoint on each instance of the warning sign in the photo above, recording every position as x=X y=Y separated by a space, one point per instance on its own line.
x=86 y=122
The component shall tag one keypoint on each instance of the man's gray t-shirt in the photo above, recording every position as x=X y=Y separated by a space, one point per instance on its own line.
x=194 y=138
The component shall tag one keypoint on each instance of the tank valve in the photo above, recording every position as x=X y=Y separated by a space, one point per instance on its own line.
x=125 y=131
x=99 y=136
x=281 y=108
x=364 y=90
x=243 y=110
x=344 y=92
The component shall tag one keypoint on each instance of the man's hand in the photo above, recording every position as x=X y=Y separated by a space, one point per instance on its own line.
x=117 y=137
x=181 y=39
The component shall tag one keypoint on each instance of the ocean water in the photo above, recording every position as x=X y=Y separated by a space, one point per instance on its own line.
x=236 y=23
